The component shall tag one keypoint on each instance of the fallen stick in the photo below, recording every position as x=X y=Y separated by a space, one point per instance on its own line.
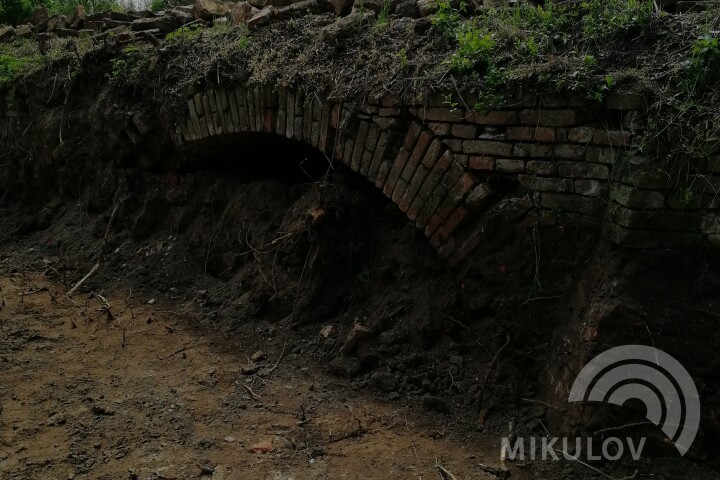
x=254 y=395
x=180 y=350
x=82 y=280
x=444 y=473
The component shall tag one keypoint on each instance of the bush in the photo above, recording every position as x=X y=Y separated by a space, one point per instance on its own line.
x=615 y=19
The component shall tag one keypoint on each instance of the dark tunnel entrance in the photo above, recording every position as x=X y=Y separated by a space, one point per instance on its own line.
x=258 y=156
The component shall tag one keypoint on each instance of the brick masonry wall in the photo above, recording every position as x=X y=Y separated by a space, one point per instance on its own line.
x=450 y=170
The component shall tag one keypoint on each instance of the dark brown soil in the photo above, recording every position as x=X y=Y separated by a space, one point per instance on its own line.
x=236 y=262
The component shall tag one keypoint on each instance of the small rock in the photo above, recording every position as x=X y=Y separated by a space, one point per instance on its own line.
x=210 y=9
x=240 y=13
x=6 y=33
x=249 y=369
x=23 y=31
x=229 y=439
x=163 y=24
x=151 y=301
x=257 y=356
x=262 y=447
x=328 y=330
x=56 y=420
x=407 y=8
x=456 y=360
x=262 y=17
x=359 y=332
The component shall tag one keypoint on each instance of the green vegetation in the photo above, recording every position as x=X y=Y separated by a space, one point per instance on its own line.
x=157 y=5
x=604 y=20
x=500 y=47
x=183 y=34
x=15 y=12
x=17 y=60
x=383 y=16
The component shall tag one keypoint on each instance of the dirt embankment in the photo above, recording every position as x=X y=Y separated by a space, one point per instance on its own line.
x=303 y=266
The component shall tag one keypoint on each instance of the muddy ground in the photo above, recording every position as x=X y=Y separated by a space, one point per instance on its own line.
x=377 y=361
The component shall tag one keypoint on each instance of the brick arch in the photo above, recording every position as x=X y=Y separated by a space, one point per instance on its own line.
x=402 y=157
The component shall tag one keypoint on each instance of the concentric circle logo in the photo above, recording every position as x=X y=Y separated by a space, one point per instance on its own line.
x=651 y=376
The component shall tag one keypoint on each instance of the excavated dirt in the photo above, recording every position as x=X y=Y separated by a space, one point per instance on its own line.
x=143 y=373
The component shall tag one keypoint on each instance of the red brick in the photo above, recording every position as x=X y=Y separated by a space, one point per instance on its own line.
x=485 y=147
x=550 y=118
x=580 y=134
x=452 y=223
x=439 y=128
x=509 y=165
x=464 y=131
x=481 y=163
x=440 y=115
x=611 y=137
x=433 y=224
x=532 y=150
x=570 y=150
x=494 y=118
x=530 y=134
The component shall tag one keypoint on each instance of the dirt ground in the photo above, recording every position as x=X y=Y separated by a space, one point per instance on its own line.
x=139 y=390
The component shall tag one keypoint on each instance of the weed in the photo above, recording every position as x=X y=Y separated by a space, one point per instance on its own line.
x=703 y=67
x=382 y=19
x=474 y=51
x=447 y=19
x=402 y=56
x=601 y=90
x=184 y=33
x=605 y=20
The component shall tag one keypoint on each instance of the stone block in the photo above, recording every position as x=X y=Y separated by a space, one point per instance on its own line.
x=551 y=118
x=479 y=197
x=541 y=167
x=580 y=134
x=498 y=117
x=604 y=155
x=570 y=150
x=532 y=150
x=464 y=131
x=531 y=134
x=617 y=138
x=660 y=220
x=583 y=170
x=482 y=164
x=509 y=165
x=633 y=198
x=546 y=184
x=595 y=188
x=440 y=129
x=485 y=147
x=568 y=202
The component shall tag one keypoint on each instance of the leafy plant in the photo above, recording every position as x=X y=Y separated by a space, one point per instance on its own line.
x=474 y=51
x=603 y=89
x=703 y=66
x=157 y=5
x=447 y=19
x=402 y=56
x=605 y=20
x=383 y=16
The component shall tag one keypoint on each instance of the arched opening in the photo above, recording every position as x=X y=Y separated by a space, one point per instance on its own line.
x=257 y=156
